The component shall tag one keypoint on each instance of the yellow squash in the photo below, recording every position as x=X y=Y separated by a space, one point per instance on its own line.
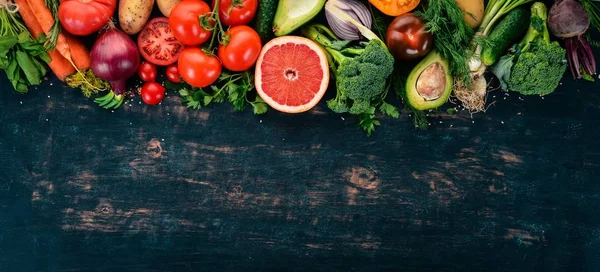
x=473 y=10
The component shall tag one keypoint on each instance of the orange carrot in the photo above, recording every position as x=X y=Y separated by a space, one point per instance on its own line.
x=46 y=20
x=30 y=21
x=79 y=52
x=68 y=46
x=60 y=66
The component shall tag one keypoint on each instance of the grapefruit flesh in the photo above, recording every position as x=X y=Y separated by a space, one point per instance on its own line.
x=292 y=74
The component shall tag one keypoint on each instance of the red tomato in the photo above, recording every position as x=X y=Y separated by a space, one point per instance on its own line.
x=236 y=12
x=152 y=93
x=197 y=68
x=157 y=43
x=173 y=73
x=185 y=23
x=242 y=49
x=147 y=72
x=84 y=17
x=407 y=37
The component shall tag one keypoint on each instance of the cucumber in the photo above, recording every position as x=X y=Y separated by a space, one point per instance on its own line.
x=264 y=19
x=512 y=27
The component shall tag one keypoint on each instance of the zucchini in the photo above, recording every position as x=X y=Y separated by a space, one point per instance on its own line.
x=512 y=27
x=264 y=19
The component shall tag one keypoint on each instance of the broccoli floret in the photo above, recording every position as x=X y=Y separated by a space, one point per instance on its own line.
x=535 y=65
x=361 y=71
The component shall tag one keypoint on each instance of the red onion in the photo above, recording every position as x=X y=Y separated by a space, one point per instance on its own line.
x=344 y=28
x=568 y=20
x=115 y=58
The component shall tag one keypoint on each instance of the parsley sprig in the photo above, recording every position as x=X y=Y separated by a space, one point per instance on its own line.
x=234 y=88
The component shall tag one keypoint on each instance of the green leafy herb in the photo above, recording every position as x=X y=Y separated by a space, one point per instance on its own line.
x=367 y=121
x=234 y=88
x=23 y=58
x=452 y=34
x=55 y=29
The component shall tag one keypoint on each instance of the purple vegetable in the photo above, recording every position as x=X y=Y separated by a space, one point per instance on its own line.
x=568 y=20
x=336 y=10
x=115 y=58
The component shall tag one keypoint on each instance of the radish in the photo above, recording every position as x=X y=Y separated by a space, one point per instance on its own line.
x=569 y=20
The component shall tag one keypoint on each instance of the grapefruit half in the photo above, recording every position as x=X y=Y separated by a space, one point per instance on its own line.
x=291 y=74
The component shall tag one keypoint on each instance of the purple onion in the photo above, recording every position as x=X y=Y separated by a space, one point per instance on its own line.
x=353 y=8
x=115 y=58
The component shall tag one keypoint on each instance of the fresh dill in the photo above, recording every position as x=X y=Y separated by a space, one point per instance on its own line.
x=453 y=36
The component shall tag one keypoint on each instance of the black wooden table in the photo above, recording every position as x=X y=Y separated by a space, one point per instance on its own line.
x=167 y=188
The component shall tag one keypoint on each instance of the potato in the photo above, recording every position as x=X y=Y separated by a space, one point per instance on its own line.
x=133 y=14
x=166 y=6
x=473 y=10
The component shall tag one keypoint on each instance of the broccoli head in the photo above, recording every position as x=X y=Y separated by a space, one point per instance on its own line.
x=535 y=65
x=361 y=71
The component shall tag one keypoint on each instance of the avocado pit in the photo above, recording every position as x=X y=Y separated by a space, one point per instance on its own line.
x=431 y=83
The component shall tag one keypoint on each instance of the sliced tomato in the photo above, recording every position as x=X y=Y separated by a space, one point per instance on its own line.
x=157 y=43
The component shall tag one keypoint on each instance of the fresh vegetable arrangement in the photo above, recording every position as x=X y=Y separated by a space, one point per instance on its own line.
x=288 y=55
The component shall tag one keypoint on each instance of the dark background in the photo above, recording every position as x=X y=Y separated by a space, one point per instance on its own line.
x=167 y=188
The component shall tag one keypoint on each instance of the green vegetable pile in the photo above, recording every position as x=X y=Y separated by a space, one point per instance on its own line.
x=535 y=65
x=361 y=74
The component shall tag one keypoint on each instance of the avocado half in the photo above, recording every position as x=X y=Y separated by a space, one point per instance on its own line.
x=292 y=14
x=430 y=83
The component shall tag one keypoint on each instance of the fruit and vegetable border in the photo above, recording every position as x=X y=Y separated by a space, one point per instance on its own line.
x=285 y=54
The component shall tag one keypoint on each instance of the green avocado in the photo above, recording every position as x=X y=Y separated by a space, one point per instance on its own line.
x=429 y=84
x=292 y=14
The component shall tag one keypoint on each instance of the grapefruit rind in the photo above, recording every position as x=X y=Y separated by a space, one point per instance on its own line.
x=324 y=81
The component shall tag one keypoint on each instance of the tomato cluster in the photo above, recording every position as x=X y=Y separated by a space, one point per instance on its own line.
x=194 y=24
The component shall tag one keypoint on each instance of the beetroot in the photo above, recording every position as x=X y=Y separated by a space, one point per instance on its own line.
x=569 y=20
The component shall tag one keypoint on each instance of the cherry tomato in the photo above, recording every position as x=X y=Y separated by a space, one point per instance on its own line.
x=185 y=23
x=242 y=49
x=147 y=72
x=236 y=12
x=157 y=44
x=152 y=93
x=407 y=37
x=197 y=68
x=84 y=17
x=173 y=73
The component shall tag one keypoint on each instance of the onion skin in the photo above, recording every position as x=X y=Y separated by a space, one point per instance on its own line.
x=115 y=58
x=568 y=18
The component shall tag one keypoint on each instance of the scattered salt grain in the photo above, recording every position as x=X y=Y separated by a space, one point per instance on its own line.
x=46 y=119
x=260 y=121
x=21 y=102
x=502 y=122
x=163 y=140
x=48 y=96
x=343 y=119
